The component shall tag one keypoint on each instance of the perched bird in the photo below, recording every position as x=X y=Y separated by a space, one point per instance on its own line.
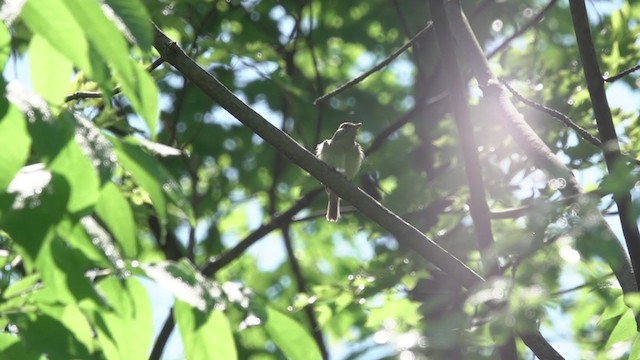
x=344 y=154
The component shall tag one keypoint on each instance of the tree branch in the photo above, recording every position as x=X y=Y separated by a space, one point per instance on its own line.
x=79 y=95
x=382 y=64
x=608 y=136
x=564 y=119
x=163 y=337
x=535 y=20
x=301 y=284
x=278 y=221
x=477 y=201
x=622 y=74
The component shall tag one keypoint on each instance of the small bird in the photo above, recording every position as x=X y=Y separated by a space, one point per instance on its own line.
x=344 y=154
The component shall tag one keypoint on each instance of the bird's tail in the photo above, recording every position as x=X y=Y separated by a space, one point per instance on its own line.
x=333 y=208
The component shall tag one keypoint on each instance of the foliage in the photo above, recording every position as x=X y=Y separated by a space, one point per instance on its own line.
x=117 y=177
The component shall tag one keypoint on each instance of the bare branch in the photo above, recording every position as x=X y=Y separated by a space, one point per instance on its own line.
x=278 y=221
x=79 y=95
x=302 y=288
x=622 y=74
x=382 y=64
x=163 y=337
x=459 y=108
x=556 y=114
x=478 y=206
x=534 y=21
x=564 y=119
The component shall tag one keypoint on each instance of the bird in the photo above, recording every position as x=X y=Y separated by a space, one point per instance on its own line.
x=343 y=153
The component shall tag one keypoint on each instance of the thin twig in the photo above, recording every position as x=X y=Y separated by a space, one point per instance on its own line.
x=479 y=8
x=319 y=86
x=83 y=95
x=622 y=74
x=301 y=285
x=382 y=64
x=535 y=20
x=79 y=95
x=555 y=114
x=155 y=64
x=564 y=119
x=581 y=286
x=163 y=337
x=278 y=221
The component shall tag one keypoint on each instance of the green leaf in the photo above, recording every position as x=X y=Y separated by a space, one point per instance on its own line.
x=50 y=70
x=55 y=141
x=616 y=308
x=205 y=335
x=293 y=339
x=135 y=16
x=5 y=45
x=110 y=44
x=143 y=94
x=56 y=23
x=47 y=335
x=23 y=285
x=184 y=281
x=625 y=329
x=15 y=142
x=12 y=348
x=402 y=310
x=635 y=348
x=146 y=172
x=152 y=177
x=126 y=332
x=30 y=235
x=63 y=273
x=72 y=319
x=115 y=212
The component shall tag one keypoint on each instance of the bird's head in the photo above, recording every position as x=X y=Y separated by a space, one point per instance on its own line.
x=347 y=131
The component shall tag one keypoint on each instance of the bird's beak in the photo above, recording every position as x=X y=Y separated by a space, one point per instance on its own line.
x=358 y=125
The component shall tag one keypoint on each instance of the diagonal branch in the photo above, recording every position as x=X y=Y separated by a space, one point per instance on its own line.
x=535 y=20
x=382 y=64
x=556 y=114
x=564 y=119
x=278 y=221
x=477 y=202
x=622 y=74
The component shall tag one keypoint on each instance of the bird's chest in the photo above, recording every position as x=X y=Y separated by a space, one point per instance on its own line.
x=338 y=155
